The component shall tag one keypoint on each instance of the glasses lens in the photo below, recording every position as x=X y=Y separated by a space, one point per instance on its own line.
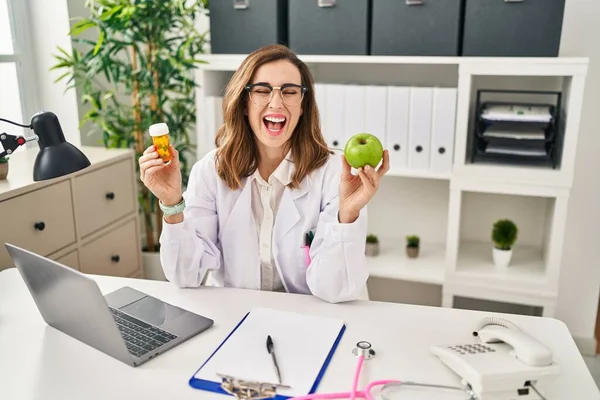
x=292 y=96
x=261 y=95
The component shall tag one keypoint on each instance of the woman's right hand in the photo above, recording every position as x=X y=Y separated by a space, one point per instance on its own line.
x=163 y=180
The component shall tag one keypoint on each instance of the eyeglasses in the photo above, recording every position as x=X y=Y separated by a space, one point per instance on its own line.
x=262 y=93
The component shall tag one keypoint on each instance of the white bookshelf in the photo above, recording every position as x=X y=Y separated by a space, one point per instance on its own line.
x=453 y=211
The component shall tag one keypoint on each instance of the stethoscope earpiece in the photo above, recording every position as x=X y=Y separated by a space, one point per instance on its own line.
x=363 y=348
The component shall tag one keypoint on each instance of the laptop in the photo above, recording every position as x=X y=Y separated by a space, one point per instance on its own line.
x=126 y=324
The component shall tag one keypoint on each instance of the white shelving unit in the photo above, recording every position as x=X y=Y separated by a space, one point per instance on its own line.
x=453 y=212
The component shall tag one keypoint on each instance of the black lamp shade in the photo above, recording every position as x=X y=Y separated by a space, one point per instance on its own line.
x=56 y=157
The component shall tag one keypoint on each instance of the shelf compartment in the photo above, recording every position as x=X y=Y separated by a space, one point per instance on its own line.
x=392 y=263
x=526 y=269
x=558 y=168
x=519 y=147
x=536 y=254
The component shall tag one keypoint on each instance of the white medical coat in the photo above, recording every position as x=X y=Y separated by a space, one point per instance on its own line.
x=218 y=234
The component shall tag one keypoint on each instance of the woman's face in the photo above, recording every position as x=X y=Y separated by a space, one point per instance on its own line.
x=273 y=121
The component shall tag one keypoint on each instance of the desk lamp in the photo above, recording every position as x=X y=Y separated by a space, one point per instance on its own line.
x=56 y=157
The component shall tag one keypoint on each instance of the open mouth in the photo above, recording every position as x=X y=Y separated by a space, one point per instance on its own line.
x=274 y=124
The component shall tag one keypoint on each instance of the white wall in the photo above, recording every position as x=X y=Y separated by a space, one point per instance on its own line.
x=580 y=277
x=49 y=28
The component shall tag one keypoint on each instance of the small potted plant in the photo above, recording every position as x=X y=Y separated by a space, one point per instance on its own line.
x=3 y=167
x=504 y=236
x=412 y=246
x=372 y=246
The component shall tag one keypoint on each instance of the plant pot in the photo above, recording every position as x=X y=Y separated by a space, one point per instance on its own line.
x=372 y=249
x=3 y=170
x=501 y=257
x=412 y=252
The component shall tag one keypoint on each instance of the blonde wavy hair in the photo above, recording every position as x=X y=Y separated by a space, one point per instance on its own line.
x=237 y=153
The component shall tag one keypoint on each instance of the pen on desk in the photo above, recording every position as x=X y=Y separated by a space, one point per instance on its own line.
x=271 y=350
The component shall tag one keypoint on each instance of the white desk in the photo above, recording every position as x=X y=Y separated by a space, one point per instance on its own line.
x=39 y=362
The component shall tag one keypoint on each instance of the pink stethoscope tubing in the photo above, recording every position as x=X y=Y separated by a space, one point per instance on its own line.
x=362 y=394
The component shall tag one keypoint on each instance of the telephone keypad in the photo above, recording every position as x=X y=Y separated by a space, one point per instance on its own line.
x=471 y=349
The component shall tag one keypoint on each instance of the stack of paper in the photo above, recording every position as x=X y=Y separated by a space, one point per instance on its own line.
x=517 y=113
x=303 y=346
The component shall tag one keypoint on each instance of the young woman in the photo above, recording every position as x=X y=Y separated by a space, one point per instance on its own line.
x=270 y=186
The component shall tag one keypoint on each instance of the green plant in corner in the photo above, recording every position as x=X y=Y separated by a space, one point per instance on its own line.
x=412 y=241
x=145 y=54
x=504 y=234
x=3 y=160
x=372 y=238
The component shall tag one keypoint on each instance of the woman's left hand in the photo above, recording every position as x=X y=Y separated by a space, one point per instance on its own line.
x=357 y=190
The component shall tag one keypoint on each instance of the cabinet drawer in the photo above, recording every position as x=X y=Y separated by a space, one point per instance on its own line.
x=114 y=254
x=70 y=260
x=103 y=196
x=40 y=221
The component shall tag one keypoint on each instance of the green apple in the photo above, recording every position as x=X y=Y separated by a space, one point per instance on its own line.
x=363 y=149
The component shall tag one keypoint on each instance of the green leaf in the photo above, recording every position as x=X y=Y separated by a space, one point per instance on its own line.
x=81 y=26
x=60 y=78
x=99 y=43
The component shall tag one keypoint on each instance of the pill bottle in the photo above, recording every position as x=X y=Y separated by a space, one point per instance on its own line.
x=160 y=138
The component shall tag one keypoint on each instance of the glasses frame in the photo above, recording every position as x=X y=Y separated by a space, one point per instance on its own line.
x=281 y=88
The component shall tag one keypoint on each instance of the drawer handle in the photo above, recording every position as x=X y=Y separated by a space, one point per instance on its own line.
x=414 y=2
x=115 y=258
x=110 y=195
x=39 y=226
x=419 y=149
x=442 y=150
x=240 y=4
x=326 y=3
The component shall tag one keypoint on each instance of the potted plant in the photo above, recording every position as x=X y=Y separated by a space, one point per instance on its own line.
x=138 y=71
x=372 y=246
x=504 y=236
x=3 y=167
x=412 y=246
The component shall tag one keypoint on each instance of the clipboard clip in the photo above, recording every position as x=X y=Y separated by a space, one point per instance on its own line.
x=245 y=389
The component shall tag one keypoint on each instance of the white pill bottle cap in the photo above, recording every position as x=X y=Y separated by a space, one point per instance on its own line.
x=158 y=129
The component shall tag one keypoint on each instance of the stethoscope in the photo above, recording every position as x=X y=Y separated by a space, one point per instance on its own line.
x=364 y=351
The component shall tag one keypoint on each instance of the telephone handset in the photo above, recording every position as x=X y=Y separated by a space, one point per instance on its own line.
x=502 y=363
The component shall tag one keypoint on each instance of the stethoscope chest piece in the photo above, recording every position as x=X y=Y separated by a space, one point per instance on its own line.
x=363 y=348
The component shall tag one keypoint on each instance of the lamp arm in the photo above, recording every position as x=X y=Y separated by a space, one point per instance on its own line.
x=11 y=142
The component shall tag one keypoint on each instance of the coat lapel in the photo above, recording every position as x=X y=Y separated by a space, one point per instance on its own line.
x=288 y=214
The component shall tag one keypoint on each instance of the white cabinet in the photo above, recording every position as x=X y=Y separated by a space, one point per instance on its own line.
x=87 y=220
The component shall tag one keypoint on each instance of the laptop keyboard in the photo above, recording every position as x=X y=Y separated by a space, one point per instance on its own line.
x=139 y=336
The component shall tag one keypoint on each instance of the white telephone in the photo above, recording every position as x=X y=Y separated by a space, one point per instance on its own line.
x=504 y=364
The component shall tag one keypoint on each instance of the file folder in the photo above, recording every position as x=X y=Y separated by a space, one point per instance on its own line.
x=354 y=110
x=442 y=129
x=304 y=345
x=398 y=106
x=320 y=92
x=419 y=138
x=334 y=115
x=375 y=111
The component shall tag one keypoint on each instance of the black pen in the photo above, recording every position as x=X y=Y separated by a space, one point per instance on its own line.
x=271 y=351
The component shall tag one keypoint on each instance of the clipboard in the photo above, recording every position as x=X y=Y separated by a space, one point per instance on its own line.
x=241 y=364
